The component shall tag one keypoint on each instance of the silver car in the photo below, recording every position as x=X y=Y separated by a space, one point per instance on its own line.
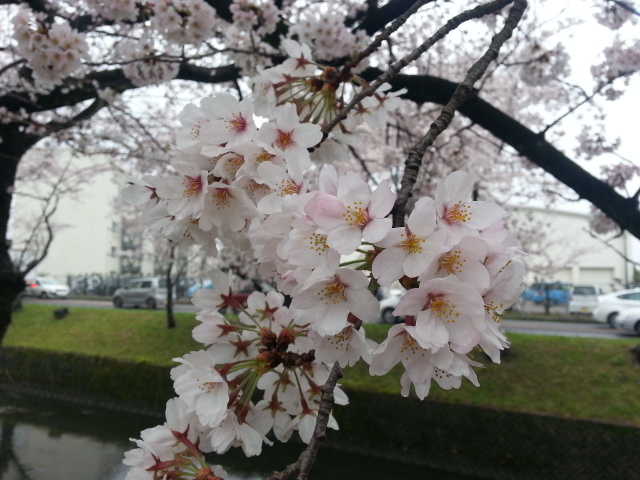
x=138 y=292
x=46 y=287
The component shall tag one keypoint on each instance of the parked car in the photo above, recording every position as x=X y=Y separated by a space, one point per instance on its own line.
x=611 y=304
x=388 y=305
x=628 y=320
x=46 y=287
x=557 y=292
x=138 y=292
x=583 y=299
x=206 y=283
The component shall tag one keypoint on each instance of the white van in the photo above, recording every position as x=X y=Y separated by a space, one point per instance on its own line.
x=584 y=299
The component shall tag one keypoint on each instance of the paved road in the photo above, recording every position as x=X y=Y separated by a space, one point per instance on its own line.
x=179 y=307
x=567 y=329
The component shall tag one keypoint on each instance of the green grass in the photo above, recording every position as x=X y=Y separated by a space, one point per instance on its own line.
x=569 y=377
x=134 y=335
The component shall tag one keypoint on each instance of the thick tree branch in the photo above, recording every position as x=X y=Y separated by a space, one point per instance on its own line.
x=626 y=5
x=429 y=89
x=95 y=106
x=113 y=79
x=376 y=17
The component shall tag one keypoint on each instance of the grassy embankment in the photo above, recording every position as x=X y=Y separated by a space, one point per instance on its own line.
x=569 y=377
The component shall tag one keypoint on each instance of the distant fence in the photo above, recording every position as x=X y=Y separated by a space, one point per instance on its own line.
x=481 y=442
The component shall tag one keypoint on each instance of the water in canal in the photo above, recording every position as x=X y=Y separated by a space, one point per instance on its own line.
x=43 y=439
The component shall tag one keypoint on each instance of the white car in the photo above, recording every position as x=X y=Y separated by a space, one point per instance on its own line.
x=388 y=305
x=628 y=320
x=611 y=304
x=46 y=287
x=584 y=299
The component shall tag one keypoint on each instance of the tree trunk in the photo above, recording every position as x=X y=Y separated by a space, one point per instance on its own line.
x=171 y=320
x=547 y=300
x=14 y=145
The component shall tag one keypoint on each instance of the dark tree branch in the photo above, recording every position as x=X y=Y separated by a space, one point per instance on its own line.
x=113 y=79
x=626 y=5
x=11 y=65
x=377 y=17
x=429 y=89
x=95 y=106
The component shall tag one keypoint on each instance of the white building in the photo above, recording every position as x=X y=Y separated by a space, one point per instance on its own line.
x=562 y=249
x=87 y=233
x=90 y=239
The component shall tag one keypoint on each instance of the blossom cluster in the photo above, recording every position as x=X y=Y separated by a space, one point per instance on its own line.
x=183 y=21
x=327 y=247
x=54 y=51
x=214 y=410
x=320 y=93
x=118 y=11
x=325 y=33
x=261 y=17
x=327 y=241
x=621 y=58
x=613 y=16
x=144 y=65
x=548 y=65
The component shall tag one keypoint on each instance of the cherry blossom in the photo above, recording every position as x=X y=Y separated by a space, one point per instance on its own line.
x=254 y=188
x=333 y=299
x=456 y=214
x=446 y=311
x=409 y=250
x=202 y=387
x=354 y=214
x=289 y=138
x=185 y=193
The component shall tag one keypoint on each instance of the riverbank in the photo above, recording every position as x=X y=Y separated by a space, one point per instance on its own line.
x=485 y=442
x=591 y=379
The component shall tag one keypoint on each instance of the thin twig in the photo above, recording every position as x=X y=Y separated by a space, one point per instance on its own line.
x=363 y=164
x=606 y=243
x=442 y=32
x=462 y=92
x=140 y=125
x=384 y=35
x=11 y=65
x=587 y=99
